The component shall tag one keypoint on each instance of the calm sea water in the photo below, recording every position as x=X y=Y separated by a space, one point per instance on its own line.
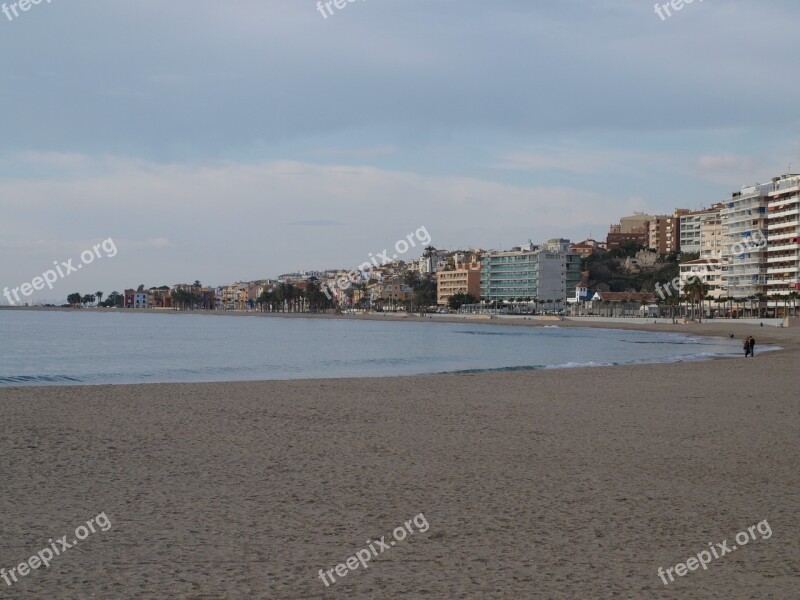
x=62 y=348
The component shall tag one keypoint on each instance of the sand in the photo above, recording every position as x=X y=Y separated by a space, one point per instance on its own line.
x=575 y=483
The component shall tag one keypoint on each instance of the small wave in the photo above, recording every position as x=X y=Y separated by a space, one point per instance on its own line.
x=39 y=379
x=493 y=332
x=493 y=370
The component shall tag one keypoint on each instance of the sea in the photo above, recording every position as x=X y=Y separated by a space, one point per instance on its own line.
x=41 y=348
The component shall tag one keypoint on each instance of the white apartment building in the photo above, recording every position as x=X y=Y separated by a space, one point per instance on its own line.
x=692 y=226
x=708 y=271
x=744 y=217
x=690 y=232
x=783 y=235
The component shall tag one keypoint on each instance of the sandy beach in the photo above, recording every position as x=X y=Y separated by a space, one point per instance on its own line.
x=575 y=483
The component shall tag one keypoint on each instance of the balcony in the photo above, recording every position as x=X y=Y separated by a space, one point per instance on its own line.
x=788 y=282
x=785 y=213
x=793 y=246
x=791 y=269
x=790 y=257
x=783 y=224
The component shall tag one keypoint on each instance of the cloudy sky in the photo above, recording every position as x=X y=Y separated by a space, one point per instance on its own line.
x=235 y=140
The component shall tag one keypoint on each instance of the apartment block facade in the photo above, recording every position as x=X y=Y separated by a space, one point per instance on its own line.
x=663 y=233
x=783 y=236
x=544 y=273
x=744 y=218
x=464 y=279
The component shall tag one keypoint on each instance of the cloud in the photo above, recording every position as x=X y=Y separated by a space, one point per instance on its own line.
x=221 y=221
x=316 y=223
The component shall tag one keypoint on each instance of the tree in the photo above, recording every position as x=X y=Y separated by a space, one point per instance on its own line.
x=74 y=299
x=793 y=297
x=87 y=299
x=456 y=301
x=696 y=290
x=99 y=296
x=775 y=298
x=114 y=299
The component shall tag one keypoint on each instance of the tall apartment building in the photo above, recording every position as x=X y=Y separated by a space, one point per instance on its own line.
x=744 y=219
x=783 y=235
x=663 y=233
x=712 y=233
x=691 y=228
x=536 y=272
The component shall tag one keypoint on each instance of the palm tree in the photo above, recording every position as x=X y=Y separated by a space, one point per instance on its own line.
x=99 y=296
x=696 y=291
x=761 y=298
x=793 y=297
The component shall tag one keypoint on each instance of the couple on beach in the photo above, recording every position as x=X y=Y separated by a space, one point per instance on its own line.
x=749 y=347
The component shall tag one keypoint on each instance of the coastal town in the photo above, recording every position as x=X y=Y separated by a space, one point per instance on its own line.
x=739 y=257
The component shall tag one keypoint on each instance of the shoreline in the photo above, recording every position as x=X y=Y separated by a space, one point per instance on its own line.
x=784 y=340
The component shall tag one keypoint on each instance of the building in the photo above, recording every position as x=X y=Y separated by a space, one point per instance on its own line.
x=427 y=265
x=464 y=279
x=582 y=291
x=617 y=239
x=390 y=293
x=712 y=233
x=708 y=271
x=744 y=218
x=631 y=229
x=530 y=272
x=783 y=236
x=691 y=228
x=635 y=223
x=588 y=248
x=623 y=304
x=663 y=233
x=136 y=299
x=159 y=297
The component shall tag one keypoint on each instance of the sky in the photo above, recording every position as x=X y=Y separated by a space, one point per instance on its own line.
x=240 y=140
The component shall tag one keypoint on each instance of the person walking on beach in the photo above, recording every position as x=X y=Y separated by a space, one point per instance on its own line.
x=746 y=347
x=752 y=344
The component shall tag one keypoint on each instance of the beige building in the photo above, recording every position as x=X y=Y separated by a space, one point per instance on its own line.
x=691 y=227
x=712 y=233
x=636 y=223
x=464 y=279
